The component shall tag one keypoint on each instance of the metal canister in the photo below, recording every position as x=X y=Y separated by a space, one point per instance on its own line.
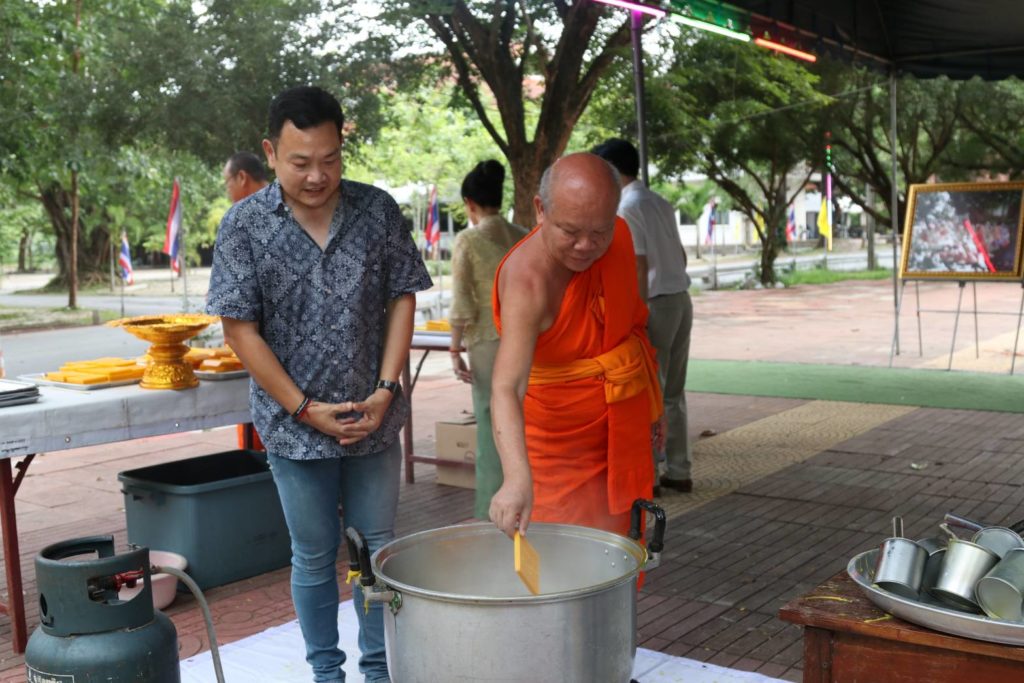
x=963 y=565
x=901 y=562
x=998 y=539
x=1001 y=592
x=87 y=633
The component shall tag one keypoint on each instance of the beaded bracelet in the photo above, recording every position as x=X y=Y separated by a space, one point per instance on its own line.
x=303 y=407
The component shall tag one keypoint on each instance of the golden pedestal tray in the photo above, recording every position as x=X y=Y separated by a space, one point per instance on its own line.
x=168 y=368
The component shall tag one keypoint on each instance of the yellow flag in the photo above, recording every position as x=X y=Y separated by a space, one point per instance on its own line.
x=824 y=227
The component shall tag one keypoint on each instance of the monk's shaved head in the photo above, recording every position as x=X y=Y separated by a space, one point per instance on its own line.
x=580 y=176
x=576 y=206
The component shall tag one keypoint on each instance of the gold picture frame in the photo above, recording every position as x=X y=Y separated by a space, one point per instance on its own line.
x=964 y=231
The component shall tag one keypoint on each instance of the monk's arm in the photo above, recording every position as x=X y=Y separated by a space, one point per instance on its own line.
x=521 y=315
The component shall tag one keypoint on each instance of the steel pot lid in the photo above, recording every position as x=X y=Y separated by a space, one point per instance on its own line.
x=474 y=563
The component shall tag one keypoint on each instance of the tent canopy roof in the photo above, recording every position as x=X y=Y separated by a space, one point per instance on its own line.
x=956 y=38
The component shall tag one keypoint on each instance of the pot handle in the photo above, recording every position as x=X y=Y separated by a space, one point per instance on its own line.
x=962 y=522
x=358 y=559
x=658 y=537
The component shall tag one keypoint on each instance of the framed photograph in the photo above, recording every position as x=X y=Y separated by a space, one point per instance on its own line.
x=964 y=231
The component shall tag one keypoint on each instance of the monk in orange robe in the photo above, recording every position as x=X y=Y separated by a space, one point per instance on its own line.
x=575 y=386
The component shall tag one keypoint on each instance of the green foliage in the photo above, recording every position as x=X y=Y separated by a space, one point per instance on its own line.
x=134 y=93
x=425 y=141
x=540 y=62
x=742 y=116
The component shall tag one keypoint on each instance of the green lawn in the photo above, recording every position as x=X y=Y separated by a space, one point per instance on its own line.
x=13 y=319
x=820 y=276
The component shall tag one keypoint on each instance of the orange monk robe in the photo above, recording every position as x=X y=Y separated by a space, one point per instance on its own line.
x=592 y=397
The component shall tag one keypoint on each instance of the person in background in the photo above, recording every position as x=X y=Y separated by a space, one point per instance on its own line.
x=575 y=397
x=475 y=257
x=243 y=174
x=664 y=285
x=315 y=279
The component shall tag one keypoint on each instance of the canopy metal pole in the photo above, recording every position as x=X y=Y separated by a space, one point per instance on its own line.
x=636 y=25
x=895 y=210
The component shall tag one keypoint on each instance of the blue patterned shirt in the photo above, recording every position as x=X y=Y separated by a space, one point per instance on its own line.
x=322 y=312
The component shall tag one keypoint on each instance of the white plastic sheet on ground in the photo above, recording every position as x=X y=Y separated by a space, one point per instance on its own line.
x=277 y=655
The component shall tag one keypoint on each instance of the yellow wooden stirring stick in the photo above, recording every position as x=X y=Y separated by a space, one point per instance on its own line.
x=527 y=563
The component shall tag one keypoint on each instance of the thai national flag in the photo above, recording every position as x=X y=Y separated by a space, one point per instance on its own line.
x=172 y=240
x=125 y=259
x=433 y=231
x=791 y=225
x=707 y=221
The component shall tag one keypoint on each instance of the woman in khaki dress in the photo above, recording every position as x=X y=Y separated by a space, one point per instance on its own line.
x=477 y=252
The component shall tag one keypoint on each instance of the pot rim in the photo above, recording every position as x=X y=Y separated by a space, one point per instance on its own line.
x=623 y=543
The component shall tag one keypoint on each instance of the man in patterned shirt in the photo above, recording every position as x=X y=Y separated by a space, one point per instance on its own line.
x=315 y=280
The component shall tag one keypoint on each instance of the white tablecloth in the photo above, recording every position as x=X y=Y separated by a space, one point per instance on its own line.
x=66 y=418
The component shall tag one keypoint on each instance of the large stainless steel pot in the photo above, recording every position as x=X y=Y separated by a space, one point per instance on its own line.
x=459 y=613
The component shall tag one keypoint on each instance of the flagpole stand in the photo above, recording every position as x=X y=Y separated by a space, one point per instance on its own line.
x=714 y=263
x=183 y=262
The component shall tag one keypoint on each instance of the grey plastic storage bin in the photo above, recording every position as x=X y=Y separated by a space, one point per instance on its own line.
x=220 y=511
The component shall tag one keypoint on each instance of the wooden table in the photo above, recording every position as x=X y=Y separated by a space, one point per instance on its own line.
x=847 y=639
x=425 y=342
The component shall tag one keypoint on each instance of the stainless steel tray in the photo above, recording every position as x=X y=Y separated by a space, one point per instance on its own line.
x=40 y=379
x=230 y=374
x=929 y=613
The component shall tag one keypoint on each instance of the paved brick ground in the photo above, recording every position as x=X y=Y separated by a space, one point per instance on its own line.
x=730 y=561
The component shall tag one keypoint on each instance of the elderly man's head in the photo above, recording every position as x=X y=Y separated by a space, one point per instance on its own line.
x=243 y=174
x=576 y=205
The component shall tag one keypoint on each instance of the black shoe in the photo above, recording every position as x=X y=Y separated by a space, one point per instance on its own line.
x=681 y=485
x=657 y=492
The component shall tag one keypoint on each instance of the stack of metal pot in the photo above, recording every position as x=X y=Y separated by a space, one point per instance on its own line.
x=983 y=574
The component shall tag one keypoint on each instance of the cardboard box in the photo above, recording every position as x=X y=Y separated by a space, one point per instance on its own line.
x=456 y=441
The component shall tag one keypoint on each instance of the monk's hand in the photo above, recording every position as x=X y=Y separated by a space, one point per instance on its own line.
x=659 y=432
x=363 y=417
x=460 y=368
x=511 y=506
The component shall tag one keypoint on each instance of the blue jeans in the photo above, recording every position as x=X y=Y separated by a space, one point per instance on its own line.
x=310 y=490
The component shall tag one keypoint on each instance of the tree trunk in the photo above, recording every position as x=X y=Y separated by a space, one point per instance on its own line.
x=91 y=250
x=526 y=179
x=774 y=220
x=24 y=254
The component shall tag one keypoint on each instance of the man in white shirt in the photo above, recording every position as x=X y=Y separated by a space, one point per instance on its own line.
x=664 y=284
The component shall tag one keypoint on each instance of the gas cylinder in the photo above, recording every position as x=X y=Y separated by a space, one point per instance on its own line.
x=87 y=634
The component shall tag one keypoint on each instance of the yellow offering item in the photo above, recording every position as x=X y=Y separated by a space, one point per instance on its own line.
x=439 y=325
x=97 y=371
x=75 y=378
x=197 y=356
x=98 y=363
x=220 y=365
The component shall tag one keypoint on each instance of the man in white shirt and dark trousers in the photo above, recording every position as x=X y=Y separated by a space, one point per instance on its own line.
x=664 y=284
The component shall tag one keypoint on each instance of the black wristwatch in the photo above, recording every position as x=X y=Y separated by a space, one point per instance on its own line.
x=389 y=385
